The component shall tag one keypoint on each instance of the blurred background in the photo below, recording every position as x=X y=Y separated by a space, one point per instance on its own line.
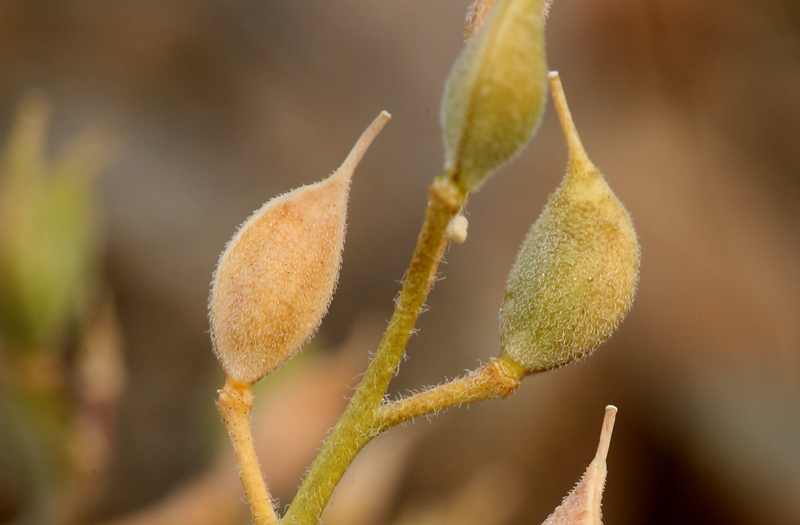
x=144 y=132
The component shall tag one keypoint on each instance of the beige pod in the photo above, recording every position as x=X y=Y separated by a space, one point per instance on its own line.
x=576 y=273
x=582 y=506
x=277 y=275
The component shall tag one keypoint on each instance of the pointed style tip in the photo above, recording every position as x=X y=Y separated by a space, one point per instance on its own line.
x=605 y=434
x=363 y=143
x=574 y=144
x=582 y=504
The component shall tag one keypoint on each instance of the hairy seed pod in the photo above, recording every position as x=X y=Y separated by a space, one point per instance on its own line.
x=479 y=10
x=276 y=277
x=476 y=14
x=495 y=93
x=582 y=505
x=575 y=276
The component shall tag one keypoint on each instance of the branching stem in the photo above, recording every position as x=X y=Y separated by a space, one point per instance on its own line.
x=360 y=421
x=498 y=378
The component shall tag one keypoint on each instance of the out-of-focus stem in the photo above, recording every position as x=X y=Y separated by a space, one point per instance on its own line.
x=235 y=405
x=359 y=423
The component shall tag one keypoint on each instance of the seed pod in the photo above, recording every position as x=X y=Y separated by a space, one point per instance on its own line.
x=582 y=504
x=476 y=14
x=576 y=273
x=276 y=277
x=479 y=10
x=495 y=93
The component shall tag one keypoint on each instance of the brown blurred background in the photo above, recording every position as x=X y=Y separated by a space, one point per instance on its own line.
x=691 y=109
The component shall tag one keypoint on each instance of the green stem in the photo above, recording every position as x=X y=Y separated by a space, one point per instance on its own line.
x=358 y=425
x=498 y=378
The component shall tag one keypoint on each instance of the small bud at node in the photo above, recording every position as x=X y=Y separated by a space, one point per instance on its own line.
x=457 y=229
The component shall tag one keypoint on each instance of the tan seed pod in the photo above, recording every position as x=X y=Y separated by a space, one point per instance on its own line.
x=582 y=504
x=495 y=93
x=277 y=275
x=576 y=273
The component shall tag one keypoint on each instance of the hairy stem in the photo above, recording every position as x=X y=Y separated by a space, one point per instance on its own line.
x=235 y=404
x=498 y=378
x=359 y=423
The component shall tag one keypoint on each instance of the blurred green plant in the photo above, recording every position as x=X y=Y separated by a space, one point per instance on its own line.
x=51 y=298
x=49 y=228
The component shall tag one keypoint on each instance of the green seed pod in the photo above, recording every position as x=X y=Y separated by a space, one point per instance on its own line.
x=575 y=276
x=277 y=275
x=495 y=93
